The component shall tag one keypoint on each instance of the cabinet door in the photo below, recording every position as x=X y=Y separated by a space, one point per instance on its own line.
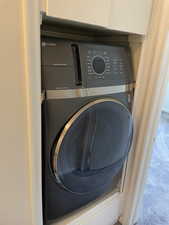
x=130 y=15
x=87 y=11
x=122 y=15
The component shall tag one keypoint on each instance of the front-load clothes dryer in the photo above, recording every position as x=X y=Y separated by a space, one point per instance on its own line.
x=87 y=122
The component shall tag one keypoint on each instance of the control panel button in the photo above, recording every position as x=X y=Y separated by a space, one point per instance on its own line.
x=98 y=64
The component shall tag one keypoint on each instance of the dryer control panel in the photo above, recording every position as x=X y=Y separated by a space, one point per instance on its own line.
x=106 y=65
x=67 y=64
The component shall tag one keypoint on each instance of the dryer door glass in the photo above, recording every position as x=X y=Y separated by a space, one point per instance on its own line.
x=93 y=146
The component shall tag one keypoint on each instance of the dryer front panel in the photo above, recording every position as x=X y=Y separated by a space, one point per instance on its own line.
x=92 y=146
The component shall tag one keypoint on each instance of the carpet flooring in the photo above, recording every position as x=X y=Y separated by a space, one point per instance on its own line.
x=155 y=208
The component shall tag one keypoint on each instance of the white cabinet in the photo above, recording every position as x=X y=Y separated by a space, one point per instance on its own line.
x=87 y=11
x=123 y=15
x=130 y=15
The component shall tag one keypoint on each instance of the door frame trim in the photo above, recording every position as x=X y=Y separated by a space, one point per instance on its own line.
x=152 y=79
x=31 y=53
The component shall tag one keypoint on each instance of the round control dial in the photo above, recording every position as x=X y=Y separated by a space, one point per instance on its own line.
x=98 y=64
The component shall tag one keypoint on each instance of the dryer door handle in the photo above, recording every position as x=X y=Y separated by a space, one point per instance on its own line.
x=77 y=67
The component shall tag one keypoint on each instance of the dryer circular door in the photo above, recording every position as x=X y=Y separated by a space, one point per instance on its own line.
x=92 y=146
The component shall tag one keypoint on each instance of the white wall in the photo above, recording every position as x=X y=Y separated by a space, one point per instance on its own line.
x=166 y=101
x=14 y=174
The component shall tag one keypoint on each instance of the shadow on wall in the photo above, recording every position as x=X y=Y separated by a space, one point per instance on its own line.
x=166 y=101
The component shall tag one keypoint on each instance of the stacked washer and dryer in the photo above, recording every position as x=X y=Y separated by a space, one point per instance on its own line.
x=87 y=122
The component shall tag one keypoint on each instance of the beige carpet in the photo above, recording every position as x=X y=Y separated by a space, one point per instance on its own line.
x=155 y=210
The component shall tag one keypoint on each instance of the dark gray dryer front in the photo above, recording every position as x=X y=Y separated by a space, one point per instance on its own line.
x=87 y=123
